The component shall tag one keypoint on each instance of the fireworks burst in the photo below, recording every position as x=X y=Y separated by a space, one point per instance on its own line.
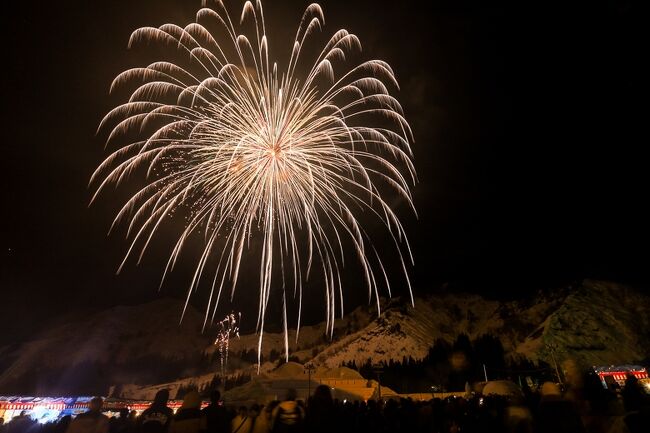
x=274 y=163
x=228 y=327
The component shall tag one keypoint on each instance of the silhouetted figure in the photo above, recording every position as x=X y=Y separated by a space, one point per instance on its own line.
x=371 y=418
x=188 y=419
x=93 y=421
x=598 y=406
x=556 y=414
x=635 y=400
x=253 y=414
x=19 y=424
x=216 y=416
x=122 y=424
x=157 y=417
x=263 y=421
x=62 y=425
x=241 y=423
x=391 y=416
x=288 y=416
x=321 y=416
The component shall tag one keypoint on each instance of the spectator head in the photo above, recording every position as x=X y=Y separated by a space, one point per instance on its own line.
x=64 y=422
x=192 y=400
x=96 y=404
x=322 y=394
x=633 y=395
x=291 y=394
x=255 y=410
x=215 y=396
x=269 y=408
x=161 y=397
x=243 y=411
x=630 y=379
x=551 y=391
x=124 y=413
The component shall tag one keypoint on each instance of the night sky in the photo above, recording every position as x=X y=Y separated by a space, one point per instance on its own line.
x=528 y=126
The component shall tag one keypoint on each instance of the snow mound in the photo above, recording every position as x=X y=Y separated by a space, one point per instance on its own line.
x=503 y=388
x=289 y=370
x=339 y=373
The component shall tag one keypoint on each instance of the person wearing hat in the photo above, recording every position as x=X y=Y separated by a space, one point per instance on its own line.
x=188 y=419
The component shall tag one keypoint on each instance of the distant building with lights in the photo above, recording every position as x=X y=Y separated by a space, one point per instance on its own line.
x=45 y=409
x=619 y=374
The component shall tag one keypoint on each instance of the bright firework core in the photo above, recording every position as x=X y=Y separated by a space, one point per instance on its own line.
x=289 y=156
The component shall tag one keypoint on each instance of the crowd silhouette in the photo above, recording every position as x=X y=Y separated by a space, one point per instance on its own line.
x=589 y=408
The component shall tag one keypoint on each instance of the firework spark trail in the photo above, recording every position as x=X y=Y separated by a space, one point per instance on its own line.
x=257 y=151
x=228 y=327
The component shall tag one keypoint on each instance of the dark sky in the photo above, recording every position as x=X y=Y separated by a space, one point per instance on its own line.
x=528 y=126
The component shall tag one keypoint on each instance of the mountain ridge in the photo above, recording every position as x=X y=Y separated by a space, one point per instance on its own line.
x=594 y=322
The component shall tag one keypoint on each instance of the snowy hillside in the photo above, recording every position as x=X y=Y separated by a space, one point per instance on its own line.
x=598 y=324
x=118 y=344
x=593 y=323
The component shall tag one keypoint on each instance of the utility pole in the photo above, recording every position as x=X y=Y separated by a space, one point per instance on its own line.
x=485 y=373
x=378 y=369
x=551 y=347
x=309 y=368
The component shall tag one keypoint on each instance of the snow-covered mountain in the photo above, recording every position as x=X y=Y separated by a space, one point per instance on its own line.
x=598 y=323
x=593 y=323
x=117 y=345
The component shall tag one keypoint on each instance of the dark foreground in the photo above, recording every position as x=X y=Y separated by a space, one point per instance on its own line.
x=590 y=409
